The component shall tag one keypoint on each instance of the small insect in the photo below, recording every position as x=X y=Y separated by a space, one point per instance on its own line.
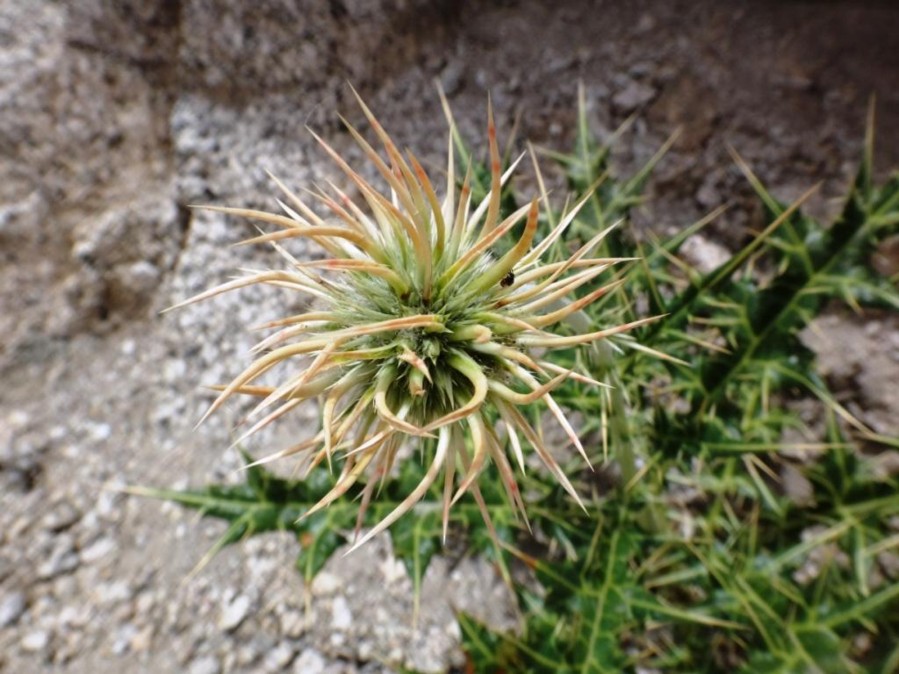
x=508 y=280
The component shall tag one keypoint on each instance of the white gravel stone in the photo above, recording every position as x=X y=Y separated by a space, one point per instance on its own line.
x=234 y=613
x=341 y=615
x=114 y=592
x=205 y=664
x=143 y=639
x=97 y=550
x=12 y=606
x=394 y=570
x=293 y=624
x=36 y=641
x=98 y=431
x=61 y=516
x=703 y=254
x=123 y=638
x=325 y=583
x=310 y=661
x=279 y=657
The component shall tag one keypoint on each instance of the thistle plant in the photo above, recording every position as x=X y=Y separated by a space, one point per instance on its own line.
x=694 y=555
x=424 y=330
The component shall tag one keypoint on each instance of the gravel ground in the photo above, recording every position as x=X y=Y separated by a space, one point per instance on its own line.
x=115 y=116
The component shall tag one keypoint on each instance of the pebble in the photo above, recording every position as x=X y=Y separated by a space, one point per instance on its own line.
x=142 y=640
x=341 y=616
x=205 y=664
x=73 y=616
x=35 y=641
x=889 y=561
x=174 y=370
x=12 y=606
x=309 y=662
x=279 y=657
x=797 y=486
x=293 y=624
x=234 y=613
x=98 y=431
x=110 y=500
x=124 y=635
x=138 y=278
x=633 y=96
x=246 y=654
x=325 y=584
x=705 y=255
x=451 y=77
x=114 y=592
x=394 y=570
x=145 y=603
x=98 y=549
x=886 y=464
x=62 y=516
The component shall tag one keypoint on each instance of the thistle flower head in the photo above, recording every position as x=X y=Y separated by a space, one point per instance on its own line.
x=423 y=331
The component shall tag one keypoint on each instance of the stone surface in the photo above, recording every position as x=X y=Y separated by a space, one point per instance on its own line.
x=35 y=642
x=12 y=606
x=204 y=665
x=115 y=117
x=234 y=613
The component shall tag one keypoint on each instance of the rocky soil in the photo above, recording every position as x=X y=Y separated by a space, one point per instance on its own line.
x=114 y=117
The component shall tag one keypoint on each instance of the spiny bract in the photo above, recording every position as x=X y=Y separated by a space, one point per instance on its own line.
x=424 y=331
